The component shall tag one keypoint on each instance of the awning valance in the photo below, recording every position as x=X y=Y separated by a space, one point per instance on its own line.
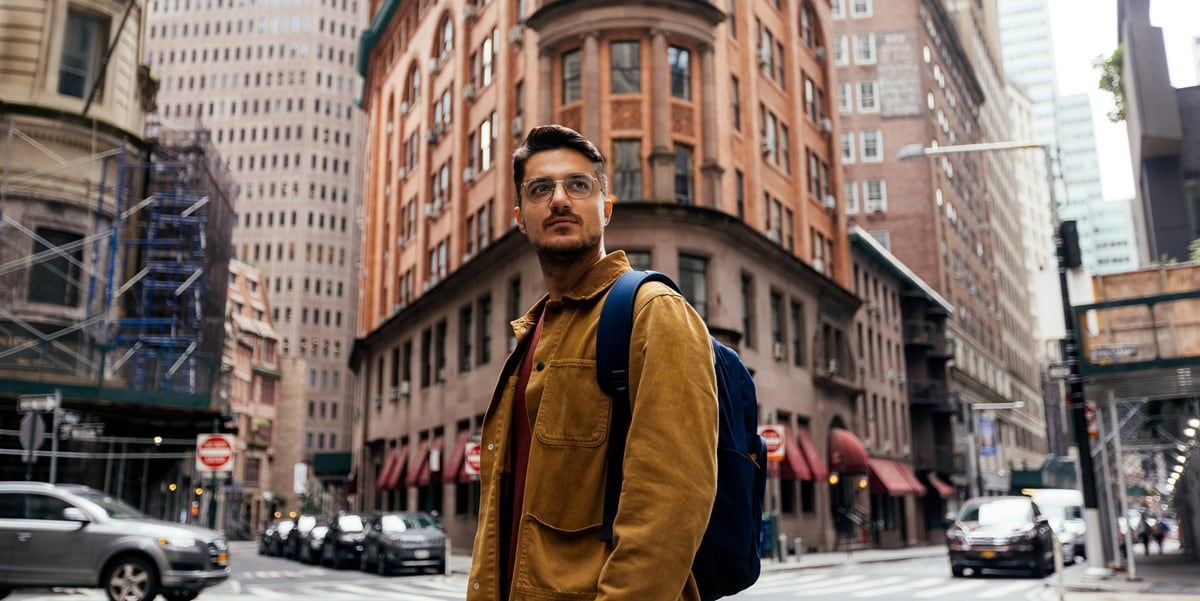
x=794 y=466
x=420 y=464
x=893 y=478
x=943 y=489
x=456 y=469
x=396 y=475
x=381 y=477
x=815 y=464
x=847 y=453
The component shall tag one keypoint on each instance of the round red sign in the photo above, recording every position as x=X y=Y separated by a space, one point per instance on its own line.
x=774 y=439
x=473 y=457
x=214 y=452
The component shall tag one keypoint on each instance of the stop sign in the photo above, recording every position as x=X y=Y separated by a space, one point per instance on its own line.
x=472 y=458
x=773 y=435
x=214 y=452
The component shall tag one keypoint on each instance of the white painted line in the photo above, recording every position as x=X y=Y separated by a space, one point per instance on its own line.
x=1004 y=592
x=925 y=583
x=943 y=590
x=849 y=587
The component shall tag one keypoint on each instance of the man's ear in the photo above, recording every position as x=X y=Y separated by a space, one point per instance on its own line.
x=517 y=218
x=608 y=207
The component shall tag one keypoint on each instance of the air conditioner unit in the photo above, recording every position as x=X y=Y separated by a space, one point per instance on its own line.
x=431 y=137
x=518 y=126
x=516 y=34
x=404 y=106
x=378 y=402
x=395 y=394
x=395 y=308
x=891 y=375
x=471 y=12
x=387 y=190
x=887 y=446
x=441 y=374
x=431 y=210
x=780 y=351
x=820 y=52
x=469 y=91
x=389 y=128
x=906 y=450
x=768 y=147
x=826 y=125
x=764 y=56
x=439 y=127
x=404 y=387
x=773 y=236
x=402 y=173
x=868 y=443
x=435 y=65
x=831 y=367
x=469 y=174
x=830 y=201
x=467 y=257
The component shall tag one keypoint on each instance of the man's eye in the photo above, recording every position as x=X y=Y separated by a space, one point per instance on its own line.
x=539 y=188
x=580 y=184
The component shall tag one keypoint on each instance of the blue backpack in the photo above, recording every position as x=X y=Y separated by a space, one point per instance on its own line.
x=728 y=559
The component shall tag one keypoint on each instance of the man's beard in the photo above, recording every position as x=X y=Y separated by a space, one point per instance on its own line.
x=565 y=255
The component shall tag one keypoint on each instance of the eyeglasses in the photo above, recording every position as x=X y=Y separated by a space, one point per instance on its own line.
x=540 y=189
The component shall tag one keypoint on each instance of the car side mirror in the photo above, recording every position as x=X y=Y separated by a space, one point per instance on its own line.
x=76 y=514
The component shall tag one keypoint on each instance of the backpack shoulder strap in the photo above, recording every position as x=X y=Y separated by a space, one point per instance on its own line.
x=612 y=372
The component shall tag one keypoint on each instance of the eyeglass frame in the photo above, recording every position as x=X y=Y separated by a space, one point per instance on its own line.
x=596 y=185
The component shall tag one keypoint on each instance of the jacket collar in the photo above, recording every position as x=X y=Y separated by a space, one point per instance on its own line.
x=595 y=282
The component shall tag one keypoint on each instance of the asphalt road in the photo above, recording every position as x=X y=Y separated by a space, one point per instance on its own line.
x=264 y=578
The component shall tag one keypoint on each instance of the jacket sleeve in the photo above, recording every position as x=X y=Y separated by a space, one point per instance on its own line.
x=670 y=463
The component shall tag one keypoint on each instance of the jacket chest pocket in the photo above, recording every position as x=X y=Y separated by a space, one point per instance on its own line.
x=572 y=412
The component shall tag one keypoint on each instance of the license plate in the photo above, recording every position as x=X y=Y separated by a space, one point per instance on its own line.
x=222 y=558
x=421 y=553
x=987 y=554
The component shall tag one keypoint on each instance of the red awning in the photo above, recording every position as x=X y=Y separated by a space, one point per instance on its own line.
x=420 y=464
x=381 y=476
x=943 y=489
x=913 y=481
x=456 y=468
x=793 y=466
x=811 y=455
x=394 y=477
x=847 y=454
x=886 y=478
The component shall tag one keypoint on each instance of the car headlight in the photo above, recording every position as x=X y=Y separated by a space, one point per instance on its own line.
x=179 y=542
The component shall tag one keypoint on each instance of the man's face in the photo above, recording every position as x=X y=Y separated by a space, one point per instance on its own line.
x=562 y=229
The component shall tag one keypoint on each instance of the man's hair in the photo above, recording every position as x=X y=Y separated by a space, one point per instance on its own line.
x=553 y=137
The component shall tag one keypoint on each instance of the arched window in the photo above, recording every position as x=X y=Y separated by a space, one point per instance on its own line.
x=412 y=90
x=446 y=41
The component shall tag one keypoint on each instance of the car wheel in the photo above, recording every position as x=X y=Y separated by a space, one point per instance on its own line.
x=441 y=567
x=180 y=595
x=4 y=592
x=381 y=567
x=131 y=579
x=956 y=571
x=1039 y=570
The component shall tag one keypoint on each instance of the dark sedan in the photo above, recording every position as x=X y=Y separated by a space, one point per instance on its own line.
x=343 y=542
x=1001 y=533
x=404 y=540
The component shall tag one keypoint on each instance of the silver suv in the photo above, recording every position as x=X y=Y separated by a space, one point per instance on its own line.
x=71 y=535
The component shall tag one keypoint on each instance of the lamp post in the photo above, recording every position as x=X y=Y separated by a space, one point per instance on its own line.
x=1068 y=257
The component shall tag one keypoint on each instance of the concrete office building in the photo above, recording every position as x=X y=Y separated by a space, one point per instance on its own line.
x=275 y=82
x=1164 y=139
x=719 y=129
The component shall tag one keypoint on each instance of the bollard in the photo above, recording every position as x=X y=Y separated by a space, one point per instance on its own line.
x=446 y=557
x=798 y=544
x=782 y=547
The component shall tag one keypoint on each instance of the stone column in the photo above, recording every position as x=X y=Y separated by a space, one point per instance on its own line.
x=590 y=87
x=710 y=170
x=662 y=158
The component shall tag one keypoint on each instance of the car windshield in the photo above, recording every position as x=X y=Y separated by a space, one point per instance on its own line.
x=114 y=507
x=400 y=523
x=350 y=523
x=1000 y=512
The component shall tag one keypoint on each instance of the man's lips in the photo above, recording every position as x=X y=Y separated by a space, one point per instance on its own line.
x=557 y=221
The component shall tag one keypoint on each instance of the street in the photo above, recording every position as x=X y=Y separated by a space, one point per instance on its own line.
x=259 y=577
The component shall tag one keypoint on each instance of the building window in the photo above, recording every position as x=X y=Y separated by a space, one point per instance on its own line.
x=627 y=169
x=740 y=193
x=693 y=282
x=465 y=334
x=626 y=67
x=681 y=72
x=872 y=146
x=847 y=147
x=84 y=42
x=412 y=92
x=55 y=280
x=864 y=48
x=851 y=188
x=806 y=32
x=838 y=9
x=485 y=330
x=844 y=99
x=867 y=100
x=446 y=42
x=426 y=357
x=778 y=324
x=488 y=59
x=797 y=333
x=736 y=103
x=571 y=69
x=860 y=9
x=639 y=259
x=748 y=310
x=684 y=181
x=875 y=191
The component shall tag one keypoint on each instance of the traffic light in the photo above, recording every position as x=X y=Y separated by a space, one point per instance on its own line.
x=1068 y=253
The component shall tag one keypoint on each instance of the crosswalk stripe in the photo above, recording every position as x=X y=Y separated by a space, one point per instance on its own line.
x=789 y=586
x=262 y=592
x=949 y=588
x=1003 y=592
x=424 y=589
x=782 y=584
x=924 y=583
x=849 y=587
x=354 y=588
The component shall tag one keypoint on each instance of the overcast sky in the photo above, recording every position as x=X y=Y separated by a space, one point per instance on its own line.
x=1085 y=29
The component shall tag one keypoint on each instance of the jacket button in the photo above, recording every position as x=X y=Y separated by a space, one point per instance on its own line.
x=541 y=366
x=491 y=447
x=475 y=586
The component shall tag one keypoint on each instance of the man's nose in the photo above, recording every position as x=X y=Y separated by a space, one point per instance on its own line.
x=559 y=194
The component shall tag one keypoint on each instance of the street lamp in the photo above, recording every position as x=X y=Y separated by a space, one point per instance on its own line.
x=1068 y=257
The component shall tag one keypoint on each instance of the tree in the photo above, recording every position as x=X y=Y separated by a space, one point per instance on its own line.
x=1111 y=80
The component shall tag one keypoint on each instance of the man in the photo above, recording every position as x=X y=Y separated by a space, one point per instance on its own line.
x=545 y=437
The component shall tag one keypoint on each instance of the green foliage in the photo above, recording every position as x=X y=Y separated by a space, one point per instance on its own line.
x=1194 y=251
x=314 y=502
x=1111 y=80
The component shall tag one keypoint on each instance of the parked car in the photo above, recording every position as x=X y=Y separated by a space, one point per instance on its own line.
x=264 y=539
x=311 y=543
x=295 y=539
x=343 y=542
x=403 y=540
x=1001 y=533
x=1064 y=508
x=74 y=536
x=279 y=539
